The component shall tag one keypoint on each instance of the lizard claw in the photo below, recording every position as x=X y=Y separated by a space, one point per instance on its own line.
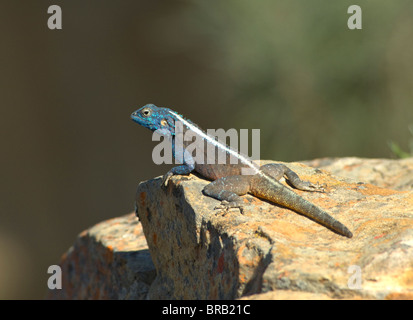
x=308 y=186
x=226 y=205
x=165 y=179
x=319 y=187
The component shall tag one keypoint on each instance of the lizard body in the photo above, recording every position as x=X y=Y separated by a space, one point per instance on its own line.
x=228 y=181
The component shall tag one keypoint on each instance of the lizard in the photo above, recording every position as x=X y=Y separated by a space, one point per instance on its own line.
x=228 y=180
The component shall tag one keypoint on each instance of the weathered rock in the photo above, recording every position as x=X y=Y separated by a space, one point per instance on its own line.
x=200 y=253
x=287 y=295
x=269 y=252
x=386 y=173
x=108 y=261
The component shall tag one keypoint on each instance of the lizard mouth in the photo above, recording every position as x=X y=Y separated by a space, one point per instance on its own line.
x=134 y=116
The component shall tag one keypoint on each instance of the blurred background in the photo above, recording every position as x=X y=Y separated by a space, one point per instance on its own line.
x=70 y=155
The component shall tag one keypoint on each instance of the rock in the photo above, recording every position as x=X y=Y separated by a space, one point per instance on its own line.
x=287 y=295
x=386 y=173
x=200 y=253
x=268 y=252
x=108 y=261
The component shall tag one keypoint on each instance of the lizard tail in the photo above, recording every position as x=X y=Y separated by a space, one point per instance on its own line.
x=274 y=191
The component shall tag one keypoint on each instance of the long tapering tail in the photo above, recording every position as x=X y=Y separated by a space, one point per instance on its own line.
x=272 y=190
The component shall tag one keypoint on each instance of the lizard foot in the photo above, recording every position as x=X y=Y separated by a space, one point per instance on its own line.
x=308 y=186
x=226 y=205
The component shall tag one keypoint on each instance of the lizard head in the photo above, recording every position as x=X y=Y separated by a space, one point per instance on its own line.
x=155 y=118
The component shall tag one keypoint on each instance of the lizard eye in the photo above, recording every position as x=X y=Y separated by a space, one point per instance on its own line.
x=146 y=112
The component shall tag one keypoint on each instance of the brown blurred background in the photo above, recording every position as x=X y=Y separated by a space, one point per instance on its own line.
x=70 y=155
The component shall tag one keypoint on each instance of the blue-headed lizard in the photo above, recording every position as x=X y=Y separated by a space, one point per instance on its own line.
x=229 y=180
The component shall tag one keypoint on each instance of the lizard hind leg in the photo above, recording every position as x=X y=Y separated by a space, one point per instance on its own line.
x=278 y=170
x=229 y=190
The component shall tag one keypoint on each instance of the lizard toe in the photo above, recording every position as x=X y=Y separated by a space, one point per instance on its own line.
x=308 y=186
x=226 y=205
x=165 y=179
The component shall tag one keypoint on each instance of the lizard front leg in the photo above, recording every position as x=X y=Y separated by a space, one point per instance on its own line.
x=228 y=190
x=183 y=169
x=186 y=168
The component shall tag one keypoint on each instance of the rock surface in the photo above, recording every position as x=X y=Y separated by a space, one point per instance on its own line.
x=200 y=254
x=108 y=261
x=268 y=252
x=385 y=173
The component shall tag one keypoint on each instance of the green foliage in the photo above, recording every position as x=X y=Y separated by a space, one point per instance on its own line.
x=398 y=151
